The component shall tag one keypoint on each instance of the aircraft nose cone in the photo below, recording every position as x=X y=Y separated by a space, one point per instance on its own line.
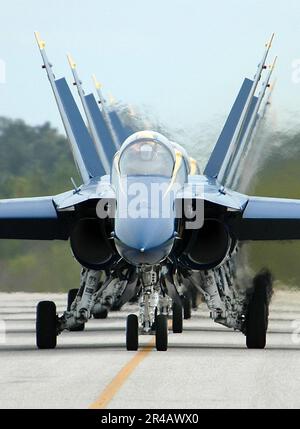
x=144 y=241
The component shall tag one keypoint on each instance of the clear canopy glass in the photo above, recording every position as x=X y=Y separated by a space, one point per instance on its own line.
x=147 y=157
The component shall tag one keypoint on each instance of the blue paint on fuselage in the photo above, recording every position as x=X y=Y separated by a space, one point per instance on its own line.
x=145 y=222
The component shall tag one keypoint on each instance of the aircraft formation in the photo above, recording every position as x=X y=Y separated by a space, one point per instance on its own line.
x=146 y=226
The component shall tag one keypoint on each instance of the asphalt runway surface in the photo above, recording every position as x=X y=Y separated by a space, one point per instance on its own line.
x=208 y=366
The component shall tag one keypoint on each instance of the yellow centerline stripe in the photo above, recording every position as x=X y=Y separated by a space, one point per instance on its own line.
x=115 y=385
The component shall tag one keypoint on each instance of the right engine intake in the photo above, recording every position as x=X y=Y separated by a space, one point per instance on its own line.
x=208 y=246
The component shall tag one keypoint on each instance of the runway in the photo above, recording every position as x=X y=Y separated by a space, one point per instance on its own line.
x=206 y=367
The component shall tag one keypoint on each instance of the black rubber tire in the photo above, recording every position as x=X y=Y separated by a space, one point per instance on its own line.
x=71 y=297
x=116 y=307
x=132 y=333
x=161 y=336
x=79 y=328
x=102 y=315
x=257 y=321
x=187 y=308
x=46 y=325
x=177 y=318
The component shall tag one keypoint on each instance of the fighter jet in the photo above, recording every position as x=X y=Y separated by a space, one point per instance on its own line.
x=145 y=222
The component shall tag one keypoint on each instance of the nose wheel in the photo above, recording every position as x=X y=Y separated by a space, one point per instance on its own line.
x=161 y=333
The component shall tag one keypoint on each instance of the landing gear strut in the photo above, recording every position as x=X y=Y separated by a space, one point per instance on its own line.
x=72 y=295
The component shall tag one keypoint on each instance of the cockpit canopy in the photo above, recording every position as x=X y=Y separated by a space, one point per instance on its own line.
x=147 y=154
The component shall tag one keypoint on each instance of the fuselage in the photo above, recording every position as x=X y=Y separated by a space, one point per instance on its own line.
x=147 y=174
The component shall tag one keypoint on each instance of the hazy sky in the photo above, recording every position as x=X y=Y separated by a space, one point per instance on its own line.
x=182 y=59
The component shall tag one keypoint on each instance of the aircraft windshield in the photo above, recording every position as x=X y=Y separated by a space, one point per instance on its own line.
x=147 y=158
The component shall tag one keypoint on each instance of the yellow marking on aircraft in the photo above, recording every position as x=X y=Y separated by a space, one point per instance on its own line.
x=111 y=99
x=176 y=169
x=193 y=167
x=96 y=82
x=274 y=63
x=115 y=385
x=146 y=135
x=270 y=42
x=40 y=42
x=71 y=62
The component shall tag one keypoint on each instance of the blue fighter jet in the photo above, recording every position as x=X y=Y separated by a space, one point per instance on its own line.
x=146 y=224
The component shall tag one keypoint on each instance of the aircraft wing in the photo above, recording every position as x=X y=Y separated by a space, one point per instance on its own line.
x=31 y=219
x=248 y=218
x=267 y=219
x=53 y=217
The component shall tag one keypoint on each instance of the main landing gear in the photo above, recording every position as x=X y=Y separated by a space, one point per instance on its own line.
x=46 y=325
x=257 y=318
x=155 y=309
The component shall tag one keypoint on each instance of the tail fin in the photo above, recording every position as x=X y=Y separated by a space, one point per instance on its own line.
x=219 y=153
x=86 y=158
x=105 y=114
x=101 y=127
x=92 y=125
x=122 y=131
x=222 y=157
x=246 y=138
x=246 y=141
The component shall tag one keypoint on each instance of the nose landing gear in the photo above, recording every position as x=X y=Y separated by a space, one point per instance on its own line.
x=154 y=309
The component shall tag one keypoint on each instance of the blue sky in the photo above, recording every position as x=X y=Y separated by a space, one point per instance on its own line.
x=183 y=60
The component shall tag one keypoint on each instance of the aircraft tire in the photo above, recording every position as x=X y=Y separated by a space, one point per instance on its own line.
x=257 y=320
x=161 y=336
x=177 y=319
x=102 y=315
x=132 y=333
x=46 y=325
x=187 y=308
